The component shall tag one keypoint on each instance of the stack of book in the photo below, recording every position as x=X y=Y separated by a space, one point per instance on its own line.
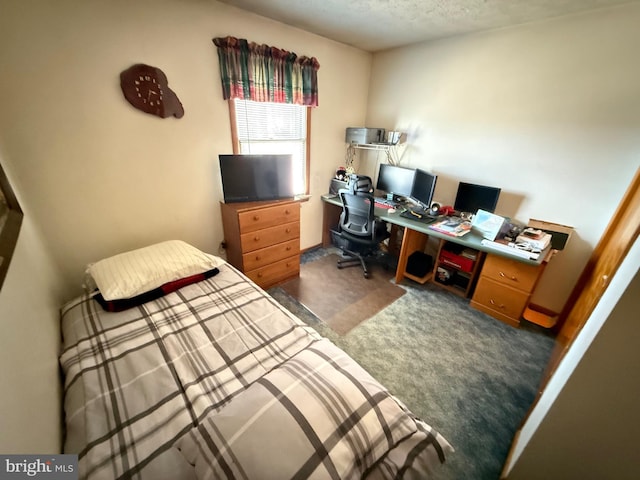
x=536 y=239
x=452 y=226
x=469 y=253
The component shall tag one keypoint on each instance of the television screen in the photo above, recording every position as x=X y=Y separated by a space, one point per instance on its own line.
x=249 y=178
x=396 y=180
x=471 y=197
x=423 y=188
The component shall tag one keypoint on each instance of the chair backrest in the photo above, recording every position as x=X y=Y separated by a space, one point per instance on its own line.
x=358 y=213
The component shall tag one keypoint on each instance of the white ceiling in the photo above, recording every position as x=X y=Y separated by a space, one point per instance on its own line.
x=374 y=25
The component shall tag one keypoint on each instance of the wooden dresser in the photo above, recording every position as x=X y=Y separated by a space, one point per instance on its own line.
x=505 y=287
x=263 y=239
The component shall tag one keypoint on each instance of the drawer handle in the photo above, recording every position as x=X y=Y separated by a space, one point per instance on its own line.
x=259 y=274
x=287 y=212
x=256 y=217
x=288 y=230
x=496 y=305
x=256 y=238
x=258 y=258
x=512 y=277
x=288 y=248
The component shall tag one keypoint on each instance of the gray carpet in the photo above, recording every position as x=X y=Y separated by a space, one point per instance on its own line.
x=471 y=377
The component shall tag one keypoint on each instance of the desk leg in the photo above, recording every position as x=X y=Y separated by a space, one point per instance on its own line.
x=412 y=240
x=330 y=219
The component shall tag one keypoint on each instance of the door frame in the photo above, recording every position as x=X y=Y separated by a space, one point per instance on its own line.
x=617 y=240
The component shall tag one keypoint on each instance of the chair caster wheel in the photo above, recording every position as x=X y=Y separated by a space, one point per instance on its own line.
x=366 y=275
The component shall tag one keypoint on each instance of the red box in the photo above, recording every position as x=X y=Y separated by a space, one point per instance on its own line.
x=456 y=261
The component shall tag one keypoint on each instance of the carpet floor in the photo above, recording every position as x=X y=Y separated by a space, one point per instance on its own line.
x=471 y=377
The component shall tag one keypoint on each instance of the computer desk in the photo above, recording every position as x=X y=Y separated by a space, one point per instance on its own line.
x=415 y=237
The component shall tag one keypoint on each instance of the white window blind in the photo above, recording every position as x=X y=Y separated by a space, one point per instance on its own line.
x=274 y=128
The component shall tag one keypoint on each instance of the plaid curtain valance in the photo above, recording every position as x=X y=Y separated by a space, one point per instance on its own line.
x=266 y=74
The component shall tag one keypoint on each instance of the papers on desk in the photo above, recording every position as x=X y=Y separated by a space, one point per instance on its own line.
x=506 y=248
x=452 y=226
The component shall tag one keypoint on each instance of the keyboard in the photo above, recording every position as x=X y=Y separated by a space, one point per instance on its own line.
x=384 y=203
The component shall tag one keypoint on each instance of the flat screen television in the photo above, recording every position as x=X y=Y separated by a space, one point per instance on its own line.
x=395 y=179
x=423 y=187
x=471 y=197
x=251 y=178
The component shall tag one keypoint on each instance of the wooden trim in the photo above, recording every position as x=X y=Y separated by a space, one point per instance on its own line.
x=235 y=143
x=307 y=168
x=611 y=250
x=620 y=234
x=10 y=230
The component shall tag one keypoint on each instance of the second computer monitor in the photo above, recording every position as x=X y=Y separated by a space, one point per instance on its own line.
x=423 y=187
x=396 y=180
x=471 y=197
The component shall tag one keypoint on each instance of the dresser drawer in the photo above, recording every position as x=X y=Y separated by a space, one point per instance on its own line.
x=269 y=236
x=267 y=217
x=269 y=275
x=265 y=256
x=499 y=298
x=510 y=272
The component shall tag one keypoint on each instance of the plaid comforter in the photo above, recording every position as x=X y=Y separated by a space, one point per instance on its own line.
x=216 y=380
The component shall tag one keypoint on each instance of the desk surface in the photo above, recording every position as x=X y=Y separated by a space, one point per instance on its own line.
x=471 y=239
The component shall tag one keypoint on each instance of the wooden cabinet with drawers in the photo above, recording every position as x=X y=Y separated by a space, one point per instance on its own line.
x=505 y=287
x=263 y=239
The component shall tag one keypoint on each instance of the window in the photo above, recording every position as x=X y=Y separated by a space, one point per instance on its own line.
x=264 y=127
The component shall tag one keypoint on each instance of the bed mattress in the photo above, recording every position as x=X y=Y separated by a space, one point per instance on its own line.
x=217 y=380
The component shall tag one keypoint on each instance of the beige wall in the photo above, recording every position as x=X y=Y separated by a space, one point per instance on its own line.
x=549 y=112
x=103 y=177
x=96 y=176
x=30 y=397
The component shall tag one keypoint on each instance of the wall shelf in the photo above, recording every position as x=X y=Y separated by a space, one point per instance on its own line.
x=391 y=150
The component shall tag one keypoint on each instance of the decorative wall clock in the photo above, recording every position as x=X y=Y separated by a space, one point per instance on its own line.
x=146 y=88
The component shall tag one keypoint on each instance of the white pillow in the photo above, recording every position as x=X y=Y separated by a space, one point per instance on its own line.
x=131 y=273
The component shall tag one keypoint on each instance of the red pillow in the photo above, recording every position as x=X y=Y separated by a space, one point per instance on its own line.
x=124 y=303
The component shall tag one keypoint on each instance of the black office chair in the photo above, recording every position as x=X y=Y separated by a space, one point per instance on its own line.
x=359 y=232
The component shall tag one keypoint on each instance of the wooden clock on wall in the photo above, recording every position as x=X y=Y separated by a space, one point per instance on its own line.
x=146 y=88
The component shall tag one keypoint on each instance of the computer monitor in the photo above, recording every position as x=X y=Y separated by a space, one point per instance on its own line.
x=471 y=198
x=423 y=187
x=396 y=180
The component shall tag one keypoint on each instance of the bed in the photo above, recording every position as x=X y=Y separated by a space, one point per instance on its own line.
x=176 y=366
